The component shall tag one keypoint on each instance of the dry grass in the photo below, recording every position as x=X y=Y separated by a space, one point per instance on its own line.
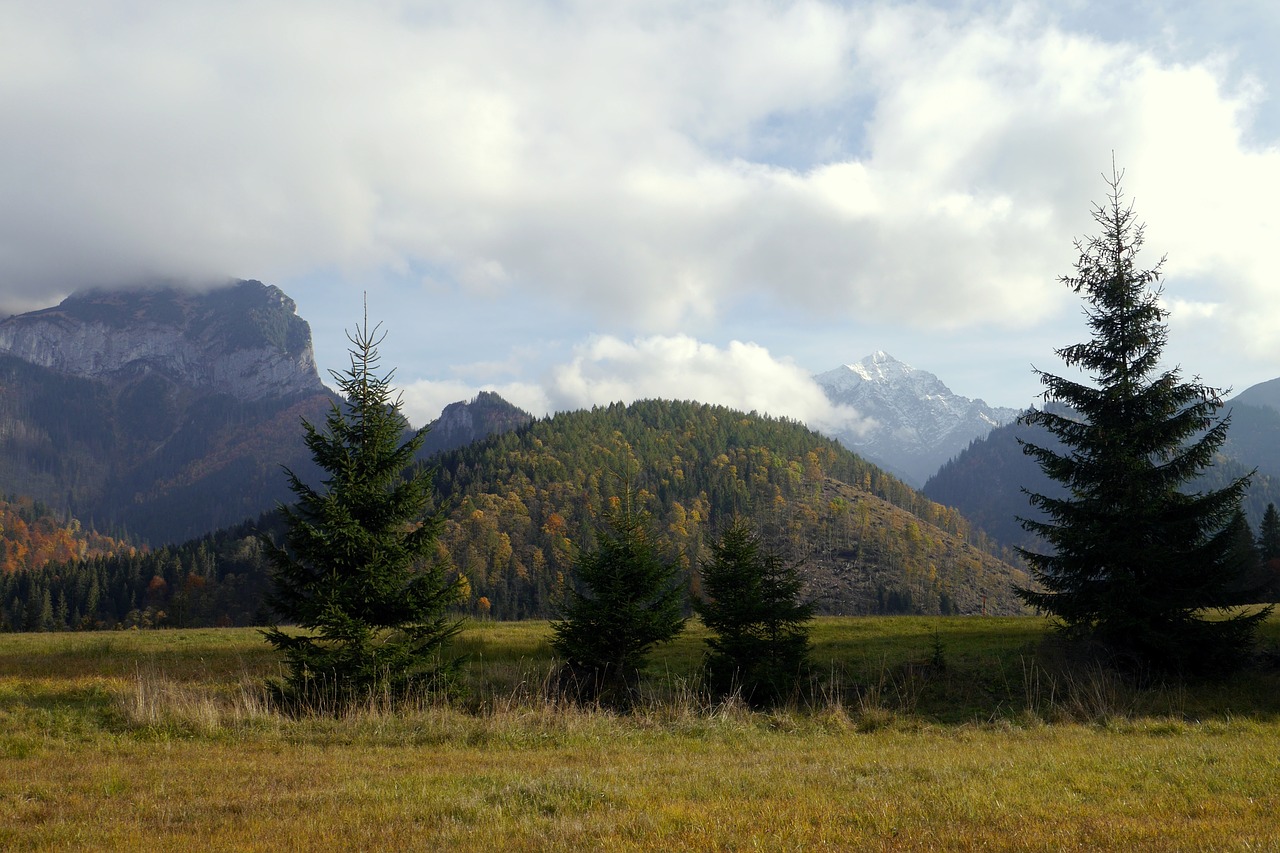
x=165 y=741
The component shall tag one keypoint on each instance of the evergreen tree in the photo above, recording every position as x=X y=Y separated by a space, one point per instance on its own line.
x=358 y=568
x=46 y=612
x=1269 y=550
x=627 y=599
x=1136 y=561
x=752 y=603
x=1269 y=535
x=1243 y=556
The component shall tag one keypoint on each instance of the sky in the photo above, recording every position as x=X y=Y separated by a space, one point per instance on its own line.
x=572 y=203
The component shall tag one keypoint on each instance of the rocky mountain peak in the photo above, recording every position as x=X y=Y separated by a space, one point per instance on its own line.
x=920 y=422
x=880 y=367
x=245 y=339
x=883 y=370
x=463 y=422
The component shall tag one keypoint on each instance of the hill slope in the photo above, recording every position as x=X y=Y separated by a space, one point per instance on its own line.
x=986 y=480
x=157 y=412
x=522 y=501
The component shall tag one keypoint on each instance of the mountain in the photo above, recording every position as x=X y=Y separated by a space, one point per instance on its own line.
x=519 y=503
x=162 y=413
x=462 y=423
x=985 y=482
x=918 y=422
x=986 y=479
x=157 y=412
x=1254 y=435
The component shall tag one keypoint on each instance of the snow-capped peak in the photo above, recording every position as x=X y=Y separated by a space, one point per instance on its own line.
x=922 y=422
x=881 y=367
x=883 y=370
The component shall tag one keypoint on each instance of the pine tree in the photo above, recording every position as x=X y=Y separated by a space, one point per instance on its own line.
x=358 y=569
x=627 y=600
x=1137 y=558
x=46 y=611
x=753 y=605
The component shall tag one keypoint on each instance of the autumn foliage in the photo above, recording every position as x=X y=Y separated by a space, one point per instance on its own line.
x=31 y=536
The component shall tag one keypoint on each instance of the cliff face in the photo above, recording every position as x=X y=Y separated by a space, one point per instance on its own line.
x=245 y=341
x=462 y=423
x=157 y=412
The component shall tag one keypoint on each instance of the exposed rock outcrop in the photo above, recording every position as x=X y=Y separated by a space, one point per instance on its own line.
x=245 y=340
x=462 y=423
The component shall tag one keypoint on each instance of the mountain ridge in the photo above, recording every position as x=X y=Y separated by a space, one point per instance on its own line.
x=1263 y=395
x=162 y=414
x=245 y=340
x=986 y=481
x=919 y=423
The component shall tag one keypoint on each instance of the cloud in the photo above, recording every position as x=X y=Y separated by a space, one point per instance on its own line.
x=424 y=399
x=651 y=164
x=606 y=369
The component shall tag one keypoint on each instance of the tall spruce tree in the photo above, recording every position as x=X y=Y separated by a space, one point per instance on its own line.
x=1269 y=551
x=753 y=605
x=1138 y=558
x=1269 y=535
x=626 y=598
x=358 y=569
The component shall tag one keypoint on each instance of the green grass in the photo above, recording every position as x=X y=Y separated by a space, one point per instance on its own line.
x=917 y=733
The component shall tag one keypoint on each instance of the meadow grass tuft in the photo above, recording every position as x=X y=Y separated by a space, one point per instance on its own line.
x=913 y=733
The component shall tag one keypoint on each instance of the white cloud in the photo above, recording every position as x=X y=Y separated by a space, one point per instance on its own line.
x=743 y=376
x=653 y=165
x=605 y=369
x=425 y=399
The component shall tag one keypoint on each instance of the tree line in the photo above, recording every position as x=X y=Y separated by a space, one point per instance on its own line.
x=518 y=504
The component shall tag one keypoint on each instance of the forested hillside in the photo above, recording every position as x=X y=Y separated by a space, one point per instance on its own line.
x=519 y=504
x=145 y=458
x=218 y=579
x=523 y=501
x=986 y=481
x=32 y=535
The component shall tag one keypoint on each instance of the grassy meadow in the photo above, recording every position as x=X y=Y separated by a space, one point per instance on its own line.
x=938 y=733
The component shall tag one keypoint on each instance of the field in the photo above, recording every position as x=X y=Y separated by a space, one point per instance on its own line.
x=918 y=733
